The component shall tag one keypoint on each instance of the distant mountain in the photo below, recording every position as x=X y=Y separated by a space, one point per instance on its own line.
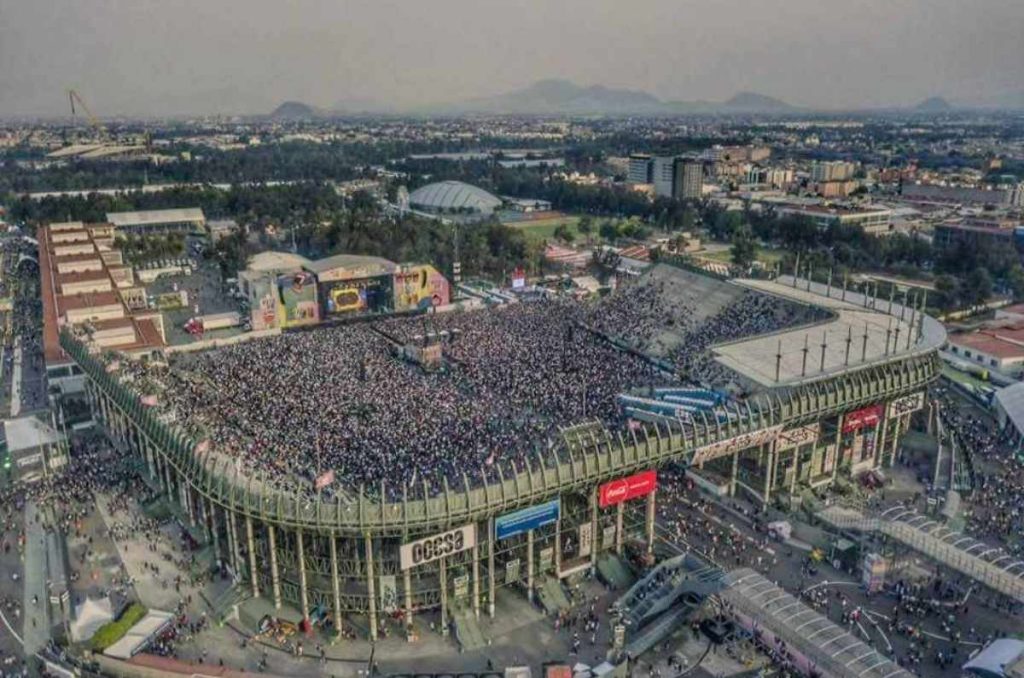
x=934 y=105
x=293 y=110
x=562 y=96
x=754 y=102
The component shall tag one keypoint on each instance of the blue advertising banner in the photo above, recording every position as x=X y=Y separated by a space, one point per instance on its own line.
x=524 y=520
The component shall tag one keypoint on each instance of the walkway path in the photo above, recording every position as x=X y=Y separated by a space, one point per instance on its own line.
x=36 y=631
x=16 y=379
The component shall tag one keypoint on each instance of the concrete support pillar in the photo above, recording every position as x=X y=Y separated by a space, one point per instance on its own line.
x=407 y=575
x=275 y=574
x=168 y=485
x=651 y=515
x=769 y=473
x=300 y=556
x=250 y=541
x=149 y=460
x=490 y=568
x=620 y=512
x=189 y=504
x=371 y=588
x=732 y=474
x=796 y=469
x=236 y=556
x=558 y=548
x=215 y=533
x=204 y=520
x=897 y=430
x=476 y=581
x=335 y=585
x=443 y=577
x=880 y=434
x=839 y=451
x=529 y=565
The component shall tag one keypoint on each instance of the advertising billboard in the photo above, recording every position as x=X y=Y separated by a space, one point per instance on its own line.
x=263 y=301
x=630 y=487
x=862 y=418
x=524 y=520
x=734 y=444
x=296 y=300
x=906 y=404
x=420 y=287
x=795 y=437
x=435 y=547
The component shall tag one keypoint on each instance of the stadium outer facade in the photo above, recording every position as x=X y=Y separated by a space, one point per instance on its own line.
x=365 y=555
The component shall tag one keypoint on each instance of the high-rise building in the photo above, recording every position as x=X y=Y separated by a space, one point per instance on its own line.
x=640 y=167
x=832 y=170
x=663 y=172
x=689 y=179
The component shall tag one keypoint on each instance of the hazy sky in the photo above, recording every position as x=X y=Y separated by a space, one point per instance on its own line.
x=132 y=57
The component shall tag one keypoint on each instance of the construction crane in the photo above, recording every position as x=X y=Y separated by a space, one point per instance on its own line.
x=94 y=122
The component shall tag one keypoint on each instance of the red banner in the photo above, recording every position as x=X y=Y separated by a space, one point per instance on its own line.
x=862 y=418
x=630 y=487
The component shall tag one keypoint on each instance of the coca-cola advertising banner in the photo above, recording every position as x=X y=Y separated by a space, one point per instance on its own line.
x=862 y=418
x=630 y=487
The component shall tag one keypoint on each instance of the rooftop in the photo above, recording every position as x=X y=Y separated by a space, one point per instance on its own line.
x=1003 y=342
x=756 y=357
x=149 y=217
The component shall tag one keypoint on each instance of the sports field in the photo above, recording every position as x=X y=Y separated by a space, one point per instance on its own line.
x=544 y=229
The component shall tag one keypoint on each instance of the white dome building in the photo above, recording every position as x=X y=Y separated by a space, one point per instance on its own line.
x=453 y=197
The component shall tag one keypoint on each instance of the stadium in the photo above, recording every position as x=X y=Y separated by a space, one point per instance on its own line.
x=399 y=465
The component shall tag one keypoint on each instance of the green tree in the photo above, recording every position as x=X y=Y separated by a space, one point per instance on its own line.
x=949 y=292
x=744 y=247
x=564 y=233
x=1015 y=280
x=609 y=231
x=978 y=286
x=585 y=224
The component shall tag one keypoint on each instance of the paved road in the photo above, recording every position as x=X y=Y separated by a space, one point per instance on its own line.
x=36 y=631
x=16 y=379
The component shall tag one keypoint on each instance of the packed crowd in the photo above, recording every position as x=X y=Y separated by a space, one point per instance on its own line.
x=997 y=504
x=337 y=398
x=646 y=313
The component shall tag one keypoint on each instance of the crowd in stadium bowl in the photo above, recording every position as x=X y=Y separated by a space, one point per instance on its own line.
x=641 y=312
x=298 y=405
x=337 y=398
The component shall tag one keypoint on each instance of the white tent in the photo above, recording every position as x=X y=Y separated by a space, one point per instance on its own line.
x=90 y=615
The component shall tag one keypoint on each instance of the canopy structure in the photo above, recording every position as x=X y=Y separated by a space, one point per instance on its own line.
x=140 y=635
x=802 y=632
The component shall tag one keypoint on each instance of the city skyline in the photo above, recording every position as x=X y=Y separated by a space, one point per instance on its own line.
x=147 y=59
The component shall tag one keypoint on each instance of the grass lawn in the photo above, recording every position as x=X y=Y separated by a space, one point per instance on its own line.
x=544 y=229
x=767 y=257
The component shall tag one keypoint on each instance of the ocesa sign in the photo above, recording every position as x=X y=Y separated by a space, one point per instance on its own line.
x=429 y=549
x=630 y=487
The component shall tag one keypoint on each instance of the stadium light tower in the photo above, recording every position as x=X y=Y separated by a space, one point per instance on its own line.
x=824 y=346
x=803 y=369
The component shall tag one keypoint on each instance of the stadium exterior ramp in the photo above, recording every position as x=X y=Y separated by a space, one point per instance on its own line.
x=815 y=645
x=989 y=566
x=346 y=555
